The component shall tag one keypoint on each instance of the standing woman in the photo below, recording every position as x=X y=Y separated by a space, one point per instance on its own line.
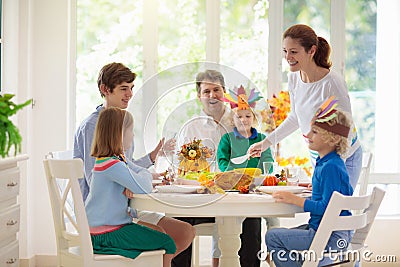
x=310 y=83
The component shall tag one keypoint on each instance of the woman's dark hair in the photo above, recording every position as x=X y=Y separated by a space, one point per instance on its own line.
x=307 y=37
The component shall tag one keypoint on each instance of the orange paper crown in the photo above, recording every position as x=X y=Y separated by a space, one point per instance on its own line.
x=238 y=98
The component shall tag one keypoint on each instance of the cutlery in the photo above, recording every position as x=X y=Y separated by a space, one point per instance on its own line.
x=241 y=159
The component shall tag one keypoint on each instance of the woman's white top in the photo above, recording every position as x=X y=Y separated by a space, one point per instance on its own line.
x=306 y=98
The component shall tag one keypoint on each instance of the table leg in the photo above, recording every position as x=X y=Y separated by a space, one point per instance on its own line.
x=229 y=230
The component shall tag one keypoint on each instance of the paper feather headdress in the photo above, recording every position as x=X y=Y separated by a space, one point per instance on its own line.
x=326 y=113
x=238 y=98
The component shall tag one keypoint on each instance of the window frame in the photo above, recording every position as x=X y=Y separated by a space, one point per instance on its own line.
x=276 y=13
x=274 y=75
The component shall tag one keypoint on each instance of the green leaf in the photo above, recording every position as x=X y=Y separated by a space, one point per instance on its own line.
x=9 y=133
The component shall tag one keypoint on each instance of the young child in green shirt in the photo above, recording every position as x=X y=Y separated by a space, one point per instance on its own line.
x=235 y=144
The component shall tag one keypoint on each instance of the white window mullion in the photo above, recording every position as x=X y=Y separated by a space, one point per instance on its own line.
x=275 y=22
x=71 y=74
x=338 y=35
x=387 y=115
x=212 y=30
x=150 y=65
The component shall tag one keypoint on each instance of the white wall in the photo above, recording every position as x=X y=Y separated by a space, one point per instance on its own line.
x=48 y=73
x=41 y=67
x=36 y=64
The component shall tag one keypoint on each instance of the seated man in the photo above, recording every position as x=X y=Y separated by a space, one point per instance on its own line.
x=213 y=122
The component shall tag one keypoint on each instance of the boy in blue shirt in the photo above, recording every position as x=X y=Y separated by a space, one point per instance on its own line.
x=328 y=136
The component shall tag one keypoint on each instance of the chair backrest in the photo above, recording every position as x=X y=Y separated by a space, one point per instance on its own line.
x=71 y=225
x=361 y=221
x=62 y=183
x=62 y=154
x=364 y=175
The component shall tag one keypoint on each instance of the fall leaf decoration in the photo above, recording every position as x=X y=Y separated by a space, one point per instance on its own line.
x=302 y=162
x=267 y=119
x=280 y=107
x=209 y=185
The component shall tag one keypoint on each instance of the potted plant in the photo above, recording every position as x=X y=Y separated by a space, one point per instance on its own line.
x=9 y=133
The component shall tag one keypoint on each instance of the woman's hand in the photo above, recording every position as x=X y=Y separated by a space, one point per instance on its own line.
x=288 y=197
x=256 y=149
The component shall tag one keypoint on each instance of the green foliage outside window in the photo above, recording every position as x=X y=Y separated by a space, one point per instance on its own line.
x=113 y=31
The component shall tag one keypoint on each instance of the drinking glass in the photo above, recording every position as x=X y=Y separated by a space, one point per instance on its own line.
x=268 y=167
x=292 y=175
x=212 y=165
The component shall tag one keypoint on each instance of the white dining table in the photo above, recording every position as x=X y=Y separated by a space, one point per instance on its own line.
x=229 y=210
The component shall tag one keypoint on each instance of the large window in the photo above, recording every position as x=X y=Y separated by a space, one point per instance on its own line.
x=360 y=71
x=244 y=39
x=236 y=33
x=107 y=31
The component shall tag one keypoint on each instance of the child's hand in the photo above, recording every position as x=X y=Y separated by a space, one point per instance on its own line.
x=288 y=197
x=156 y=175
x=128 y=193
x=309 y=187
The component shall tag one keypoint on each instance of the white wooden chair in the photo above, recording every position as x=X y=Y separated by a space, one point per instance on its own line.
x=204 y=229
x=74 y=246
x=62 y=154
x=361 y=222
x=364 y=175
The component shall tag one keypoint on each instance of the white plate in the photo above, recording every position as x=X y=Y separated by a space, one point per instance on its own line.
x=156 y=181
x=183 y=181
x=185 y=189
x=272 y=189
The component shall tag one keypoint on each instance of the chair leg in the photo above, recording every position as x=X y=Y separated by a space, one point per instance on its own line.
x=195 y=252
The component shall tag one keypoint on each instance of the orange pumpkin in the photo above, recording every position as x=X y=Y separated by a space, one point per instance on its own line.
x=270 y=180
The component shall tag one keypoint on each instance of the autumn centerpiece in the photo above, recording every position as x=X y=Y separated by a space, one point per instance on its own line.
x=278 y=112
x=193 y=157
